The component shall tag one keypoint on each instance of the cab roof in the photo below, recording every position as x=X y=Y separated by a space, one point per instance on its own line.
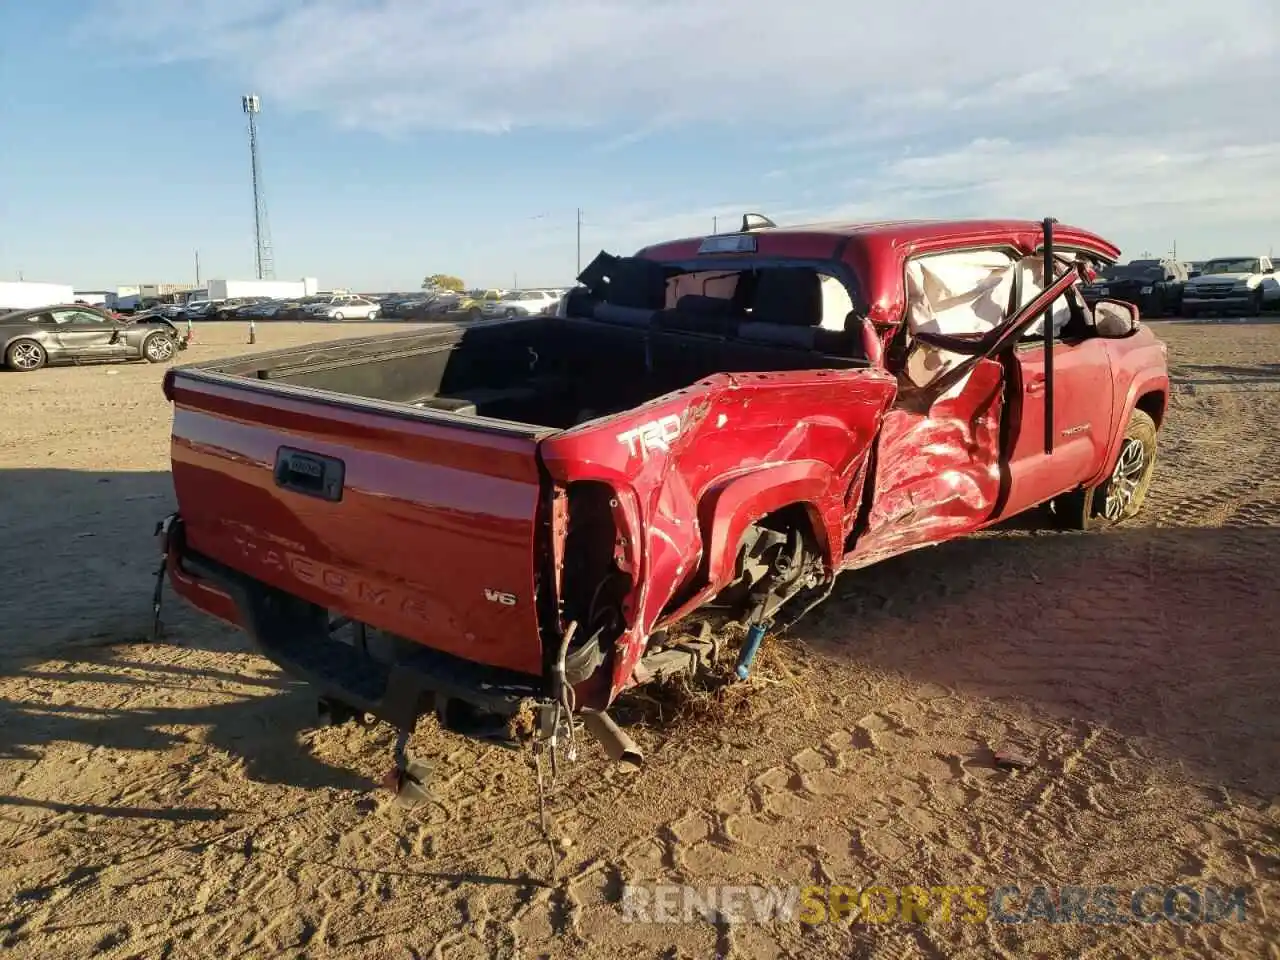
x=875 y=254
x=900 y=238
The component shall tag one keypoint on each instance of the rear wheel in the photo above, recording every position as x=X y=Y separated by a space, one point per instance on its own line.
x=25 y=356
x=1121 y=495
x=158 y=348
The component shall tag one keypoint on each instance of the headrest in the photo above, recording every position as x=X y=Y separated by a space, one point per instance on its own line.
x=788 y=295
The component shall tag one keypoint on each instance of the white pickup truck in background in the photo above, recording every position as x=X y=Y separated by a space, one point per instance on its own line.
x=1248 y=285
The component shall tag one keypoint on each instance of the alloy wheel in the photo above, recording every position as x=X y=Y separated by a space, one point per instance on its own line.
x=159 y=348
x=1122 y=487
x=26 y=356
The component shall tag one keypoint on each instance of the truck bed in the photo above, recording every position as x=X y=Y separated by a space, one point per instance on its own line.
x=409 y=481
x=547 y=372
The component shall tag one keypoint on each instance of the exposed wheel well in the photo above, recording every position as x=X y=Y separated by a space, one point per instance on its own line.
x=801 y=517
x=1153 y=405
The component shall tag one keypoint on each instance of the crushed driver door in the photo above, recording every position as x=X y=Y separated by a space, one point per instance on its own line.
x=938 y=469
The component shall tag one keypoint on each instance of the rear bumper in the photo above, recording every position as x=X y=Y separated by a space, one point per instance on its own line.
x=297 y=637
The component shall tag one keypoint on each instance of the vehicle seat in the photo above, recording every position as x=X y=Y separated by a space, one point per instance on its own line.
x=788 y=296
x=624 y=316
x=695 y=313
x=787 y=310
x=697 y=305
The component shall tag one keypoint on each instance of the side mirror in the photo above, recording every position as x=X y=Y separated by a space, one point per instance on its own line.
x=1114 y=319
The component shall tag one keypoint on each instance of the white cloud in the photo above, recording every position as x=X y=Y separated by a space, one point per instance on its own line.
x=1139 y=193
x=1146 y=120
x=1206 y=197
x=501 y=64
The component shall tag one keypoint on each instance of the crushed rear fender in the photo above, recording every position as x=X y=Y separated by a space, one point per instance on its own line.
x=691 y=470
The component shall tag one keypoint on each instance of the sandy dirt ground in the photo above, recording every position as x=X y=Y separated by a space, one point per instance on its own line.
x=178 y=800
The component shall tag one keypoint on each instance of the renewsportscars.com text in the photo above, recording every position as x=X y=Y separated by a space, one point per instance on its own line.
x=969 y=903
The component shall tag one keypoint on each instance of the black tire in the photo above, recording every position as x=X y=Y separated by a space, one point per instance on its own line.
x=1256 y=309
x=1188 y=313
x=158 y=347
x=25 y=356
x=510 y=314
x=1120 y=496
x=473 y=313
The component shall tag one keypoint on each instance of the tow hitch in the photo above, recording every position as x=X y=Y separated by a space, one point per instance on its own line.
x=157 y=594
x=408 y=779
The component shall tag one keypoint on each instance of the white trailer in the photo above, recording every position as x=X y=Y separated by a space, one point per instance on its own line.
x=26 y=294
x=275 y=289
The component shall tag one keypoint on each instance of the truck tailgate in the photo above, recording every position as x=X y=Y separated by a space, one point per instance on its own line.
x=420 y=527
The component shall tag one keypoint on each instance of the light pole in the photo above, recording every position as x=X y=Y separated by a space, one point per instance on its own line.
x=251 y=104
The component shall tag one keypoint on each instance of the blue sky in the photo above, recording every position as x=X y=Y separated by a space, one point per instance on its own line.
x=406 y=137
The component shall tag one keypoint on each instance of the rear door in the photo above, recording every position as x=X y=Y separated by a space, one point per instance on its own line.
x=422 y=526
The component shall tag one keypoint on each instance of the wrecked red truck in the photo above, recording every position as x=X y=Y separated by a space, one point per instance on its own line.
x=509 y=523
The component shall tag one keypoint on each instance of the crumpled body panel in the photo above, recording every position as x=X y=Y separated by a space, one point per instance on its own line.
x=937 y=473
x=695 y=467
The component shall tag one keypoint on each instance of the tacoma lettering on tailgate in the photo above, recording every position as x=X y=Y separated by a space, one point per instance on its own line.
x=330 y=578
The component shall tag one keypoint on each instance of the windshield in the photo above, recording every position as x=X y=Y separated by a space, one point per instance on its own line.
x=1232 y=265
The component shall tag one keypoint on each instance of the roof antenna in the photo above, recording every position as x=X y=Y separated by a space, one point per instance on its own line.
x=755 y=221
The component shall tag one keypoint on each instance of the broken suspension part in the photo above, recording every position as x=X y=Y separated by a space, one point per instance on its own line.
x=785 y=567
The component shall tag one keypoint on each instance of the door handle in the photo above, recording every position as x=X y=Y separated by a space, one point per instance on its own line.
x=1035 y=386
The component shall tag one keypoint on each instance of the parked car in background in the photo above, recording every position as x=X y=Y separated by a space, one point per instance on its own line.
x=1194 y=268
x=428 y=303
x=296 y=308
x=427 y=307
x=232 y=307
x=76 y=333
x=472 y=303
x=344 y=308
x=519 y=303
x=199 y=309
x=1232 y=284
x=1153 y=286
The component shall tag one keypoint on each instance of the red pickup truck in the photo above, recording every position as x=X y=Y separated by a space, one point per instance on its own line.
x=519 y=519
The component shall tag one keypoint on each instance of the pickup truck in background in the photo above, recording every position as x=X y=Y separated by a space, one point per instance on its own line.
x=1246 y=285
x=509 y=524
x=1153 y=286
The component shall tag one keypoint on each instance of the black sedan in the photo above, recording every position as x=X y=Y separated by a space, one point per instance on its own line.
x=76 y=333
